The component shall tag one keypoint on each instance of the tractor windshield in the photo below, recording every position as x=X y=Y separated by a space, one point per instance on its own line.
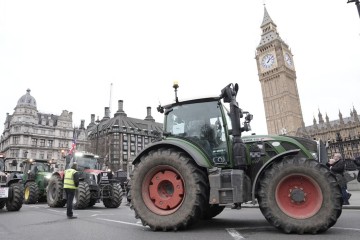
x=200 y=123
x=86 y=162
x=40 y=166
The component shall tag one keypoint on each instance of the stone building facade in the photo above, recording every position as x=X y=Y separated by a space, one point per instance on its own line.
x=29 y=133
x=277 y=75
x=341 y=135
x=118 y=139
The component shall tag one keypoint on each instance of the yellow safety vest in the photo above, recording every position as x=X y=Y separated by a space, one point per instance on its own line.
x=69 y=179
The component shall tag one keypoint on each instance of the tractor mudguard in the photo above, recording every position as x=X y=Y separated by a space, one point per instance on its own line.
x=269 y=163
x=199 y=157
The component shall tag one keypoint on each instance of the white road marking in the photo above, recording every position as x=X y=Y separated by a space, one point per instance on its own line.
x=110 y=220
x=98 y=214
x=234 y=234
x=55 y=211
x=352 y=229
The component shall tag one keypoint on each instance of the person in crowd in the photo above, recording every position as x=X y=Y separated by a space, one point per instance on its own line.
x=71 y=183
x=337 y=166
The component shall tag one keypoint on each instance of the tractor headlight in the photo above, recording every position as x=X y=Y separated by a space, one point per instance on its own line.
x=47 y=176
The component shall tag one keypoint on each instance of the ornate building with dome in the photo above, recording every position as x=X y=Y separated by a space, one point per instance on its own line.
x=29 y=133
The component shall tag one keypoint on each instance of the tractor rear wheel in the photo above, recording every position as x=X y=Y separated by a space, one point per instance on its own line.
x=168 y=190
x=115 y=197
x=15 y=201
x=82 y=196
x=31 y=193
x=55 y=192
x=299 y=195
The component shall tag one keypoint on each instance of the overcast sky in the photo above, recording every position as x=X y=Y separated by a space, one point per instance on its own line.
x=69 y=52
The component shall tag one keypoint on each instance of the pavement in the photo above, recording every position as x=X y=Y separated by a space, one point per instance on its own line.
x=354 y=201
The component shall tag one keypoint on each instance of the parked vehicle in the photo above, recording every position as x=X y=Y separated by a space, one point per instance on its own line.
x=95 y=184
x=36 y=175
x=202 y=164
x=11 y=188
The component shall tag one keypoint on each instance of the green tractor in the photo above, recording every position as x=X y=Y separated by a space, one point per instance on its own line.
x=11 y=189
x=202 y=164
x=36 y=175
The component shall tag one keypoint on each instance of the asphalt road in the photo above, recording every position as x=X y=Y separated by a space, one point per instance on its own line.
x=43 y=223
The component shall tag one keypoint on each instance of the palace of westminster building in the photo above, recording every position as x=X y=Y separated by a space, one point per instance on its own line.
x=117 y=139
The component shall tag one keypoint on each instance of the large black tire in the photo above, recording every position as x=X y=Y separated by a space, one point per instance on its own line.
x=168 y=190
x=211 y=211
x=92 y=202
x=2 y=203
x=116 y=197
x=299 y=195
x=31 y=193
x=15 y=201
x=82 y=196
x=54 y=195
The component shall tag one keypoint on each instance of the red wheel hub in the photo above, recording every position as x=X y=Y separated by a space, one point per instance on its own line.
x=163 y=190
x=299 y=196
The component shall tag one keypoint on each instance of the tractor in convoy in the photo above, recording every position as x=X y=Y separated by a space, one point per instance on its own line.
x=202 y=164
x=11 y=188
x=36 y=175
x=95 y=184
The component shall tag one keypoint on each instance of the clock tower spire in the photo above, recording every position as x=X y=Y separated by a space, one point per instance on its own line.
x=277 y=77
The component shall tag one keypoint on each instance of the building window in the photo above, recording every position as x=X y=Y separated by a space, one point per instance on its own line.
x=132 y=148
x=42 y=142
x=49 y=155
x=146 y=140
x=132 y=138
x=34 y=142
x=125 y=137
x=16 y=129
x=125 y=156
x=26 y=140
x=16 y=140
x=14 y=153
x=42 y=155
x=50 y=143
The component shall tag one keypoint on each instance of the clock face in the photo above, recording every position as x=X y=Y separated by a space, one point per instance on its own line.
x=288 y=59
x=268 y=60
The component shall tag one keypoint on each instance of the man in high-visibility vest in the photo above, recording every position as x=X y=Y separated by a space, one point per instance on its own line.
x=71 y=183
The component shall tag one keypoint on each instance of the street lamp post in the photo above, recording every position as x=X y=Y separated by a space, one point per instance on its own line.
x=97 y=135
x=357 y=3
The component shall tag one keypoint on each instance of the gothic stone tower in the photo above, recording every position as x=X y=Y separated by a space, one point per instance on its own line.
x=277 y=76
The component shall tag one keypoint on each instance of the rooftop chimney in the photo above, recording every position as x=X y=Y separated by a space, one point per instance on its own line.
x=149 y=117
x=120 y=111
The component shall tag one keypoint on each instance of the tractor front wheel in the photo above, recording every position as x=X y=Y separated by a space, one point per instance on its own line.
x=82 y=196
x=168 y=190
x=299 y=195
x=16 y=198
x=31 y=193
x=115 y=196
x=55 y=192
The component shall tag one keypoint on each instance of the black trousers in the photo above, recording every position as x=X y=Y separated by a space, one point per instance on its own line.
x=70 y=193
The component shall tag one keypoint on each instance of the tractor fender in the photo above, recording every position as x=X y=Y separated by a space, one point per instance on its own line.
x=271 y=161
x=15 y=180
x=195 y=153
x=59 y=174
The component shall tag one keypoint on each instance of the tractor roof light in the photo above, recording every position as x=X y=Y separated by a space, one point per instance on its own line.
x=79 y=154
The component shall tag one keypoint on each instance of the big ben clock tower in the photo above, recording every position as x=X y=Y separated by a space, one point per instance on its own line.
x=277 y=76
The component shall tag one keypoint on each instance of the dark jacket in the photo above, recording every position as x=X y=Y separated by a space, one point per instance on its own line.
x=76 y=179
x=338 y=167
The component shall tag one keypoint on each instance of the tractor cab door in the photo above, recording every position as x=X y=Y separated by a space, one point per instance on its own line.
x=201 y=124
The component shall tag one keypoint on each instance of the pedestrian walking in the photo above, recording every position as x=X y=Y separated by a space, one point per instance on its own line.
x=71 y=182
x=337 y=166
